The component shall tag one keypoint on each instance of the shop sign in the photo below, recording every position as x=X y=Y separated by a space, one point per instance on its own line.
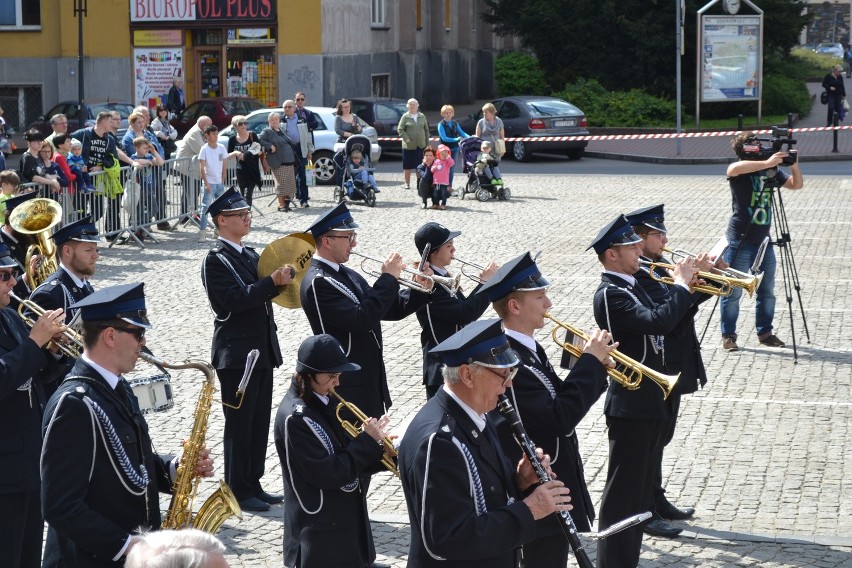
x=156 y=38
x=249 y=35
x=200 y=10
x=155 y=70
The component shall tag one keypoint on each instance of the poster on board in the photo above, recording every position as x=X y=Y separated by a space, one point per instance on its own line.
x=730 y=62
x=155 y=69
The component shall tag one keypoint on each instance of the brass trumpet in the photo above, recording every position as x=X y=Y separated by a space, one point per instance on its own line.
x=634 y=371
x=473 y=265
x=74 y=345
x=724 y=289
x=354 y=429
x=734 y=278
x=451 y=282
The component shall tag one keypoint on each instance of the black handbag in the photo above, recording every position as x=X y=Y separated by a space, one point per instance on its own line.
x=823 y=98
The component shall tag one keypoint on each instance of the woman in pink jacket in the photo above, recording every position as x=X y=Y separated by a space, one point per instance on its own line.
x=441 y=168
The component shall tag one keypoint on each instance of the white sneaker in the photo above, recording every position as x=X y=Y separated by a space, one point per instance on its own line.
x=202 y=235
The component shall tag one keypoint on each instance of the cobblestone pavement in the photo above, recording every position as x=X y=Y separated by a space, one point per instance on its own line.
x=763 y=452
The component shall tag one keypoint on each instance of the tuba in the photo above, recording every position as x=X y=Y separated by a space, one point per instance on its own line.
x=36 y=217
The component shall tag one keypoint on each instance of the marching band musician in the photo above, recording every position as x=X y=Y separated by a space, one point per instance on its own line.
x=338 y=301
x=24 y=366
x=325 y=507
x=464 y=496
x=100 y=476
x=550 y=407
x=634 y=418
x=242 y=304
x=447 y=312
x=17 y=244
x=683 y=355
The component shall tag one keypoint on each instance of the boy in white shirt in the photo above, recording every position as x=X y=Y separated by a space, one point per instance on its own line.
x=212 y=160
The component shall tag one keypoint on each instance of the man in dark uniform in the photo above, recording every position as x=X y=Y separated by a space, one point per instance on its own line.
x=17 y=244
x=463 y=493
x=244 y=320
x=447 y=311
x=338 y=301
x=635 y=417
x=100 y=476
x=550 y=408
x=683 y=353
x=24 y=366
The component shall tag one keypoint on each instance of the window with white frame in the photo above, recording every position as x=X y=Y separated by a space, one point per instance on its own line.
x=377 y=13
x=20 y=14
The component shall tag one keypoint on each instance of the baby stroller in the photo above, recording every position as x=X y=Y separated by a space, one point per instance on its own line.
x=348 y=186
x=478 y=184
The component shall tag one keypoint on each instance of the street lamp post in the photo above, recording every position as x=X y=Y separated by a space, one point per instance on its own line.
x=80 y=10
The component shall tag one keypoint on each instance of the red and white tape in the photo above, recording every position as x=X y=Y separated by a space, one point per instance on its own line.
x=644 y=136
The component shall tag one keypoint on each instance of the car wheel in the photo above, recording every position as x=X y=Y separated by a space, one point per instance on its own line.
x=575 y=153
x=324 y=169
x=483 y=194
x=520 y=151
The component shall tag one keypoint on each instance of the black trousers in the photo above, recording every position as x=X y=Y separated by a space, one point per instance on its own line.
x=246 y=430
x=666 y=435
x=548 y=551
x=21 y=528
x=632 y=447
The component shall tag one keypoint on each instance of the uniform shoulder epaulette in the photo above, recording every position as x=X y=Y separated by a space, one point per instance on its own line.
x=216 y=247
x=447 y=427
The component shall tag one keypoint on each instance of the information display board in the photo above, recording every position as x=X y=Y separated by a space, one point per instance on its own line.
x=730 y=58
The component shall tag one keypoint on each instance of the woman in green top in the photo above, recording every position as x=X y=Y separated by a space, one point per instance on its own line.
x=414 y=131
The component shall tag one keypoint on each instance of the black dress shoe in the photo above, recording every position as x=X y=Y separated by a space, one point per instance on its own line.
x=379 y=565
x=271 y=498
x=659 y=527
x=253 y=504
x=668 y=511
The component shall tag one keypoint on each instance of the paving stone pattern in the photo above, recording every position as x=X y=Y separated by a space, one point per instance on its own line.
x=763 y=452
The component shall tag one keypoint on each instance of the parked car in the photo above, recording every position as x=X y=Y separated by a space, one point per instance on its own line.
x=219 y=109
x=325 y=140
x=833 y=49
x=383 y=115
x=534 y=117
x=90 y=113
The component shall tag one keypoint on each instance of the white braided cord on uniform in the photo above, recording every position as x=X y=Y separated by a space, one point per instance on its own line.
x=140 y=480
x=323 y=437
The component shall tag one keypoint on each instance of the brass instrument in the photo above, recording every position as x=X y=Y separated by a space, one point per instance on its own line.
x=473 y=265
x=451 y=282
x=295 y=249
x=734 y=278
x=36 y=217
x=221 y=504
x=354 y=429
x=74 y=343
x=634 y=371
x=723 y=289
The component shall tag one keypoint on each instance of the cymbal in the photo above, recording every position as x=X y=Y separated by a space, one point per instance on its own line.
x=295 y=249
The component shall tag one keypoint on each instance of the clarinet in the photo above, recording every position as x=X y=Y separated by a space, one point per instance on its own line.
x=566 y=522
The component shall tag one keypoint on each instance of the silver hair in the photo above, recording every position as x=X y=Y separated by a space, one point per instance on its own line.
x=187 y=548
x=56 y=118
x=451 y=375
x=412 y=101
x=288 y=102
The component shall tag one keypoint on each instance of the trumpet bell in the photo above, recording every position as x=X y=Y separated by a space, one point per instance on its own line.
x=295 y=249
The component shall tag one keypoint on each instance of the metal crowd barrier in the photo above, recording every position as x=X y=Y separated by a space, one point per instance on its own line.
x=167 y=194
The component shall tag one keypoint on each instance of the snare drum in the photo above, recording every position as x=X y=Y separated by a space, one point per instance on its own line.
x=153 y=393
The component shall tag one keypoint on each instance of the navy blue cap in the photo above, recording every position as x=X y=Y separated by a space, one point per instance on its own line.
x=125 y=302
x=519 y=274
x=482 y=342
x=16 y=200
x=323 y=354
x=652 y=217
x=336 y=219
x=6 y=260
x=618 y=232
x=230 y=200
x=82 y=230
x=434 y=234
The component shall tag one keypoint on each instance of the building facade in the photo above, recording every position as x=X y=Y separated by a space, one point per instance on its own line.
x=439 y=51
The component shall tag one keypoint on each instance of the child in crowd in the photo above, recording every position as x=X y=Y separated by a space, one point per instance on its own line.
x=486 y=163
x=441 y=168
x=9 y=182
x=147 y=156
x=77 y=165
x=424 y=177
x=359 y=171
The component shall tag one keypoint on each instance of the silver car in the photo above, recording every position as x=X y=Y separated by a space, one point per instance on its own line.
x=325 y=140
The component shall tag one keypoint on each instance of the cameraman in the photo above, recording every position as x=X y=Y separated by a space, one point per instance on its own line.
x=750 y=223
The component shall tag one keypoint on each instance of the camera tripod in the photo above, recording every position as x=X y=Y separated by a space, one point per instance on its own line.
x=789 y=272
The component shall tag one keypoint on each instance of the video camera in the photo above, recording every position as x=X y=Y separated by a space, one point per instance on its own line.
x=757 y=149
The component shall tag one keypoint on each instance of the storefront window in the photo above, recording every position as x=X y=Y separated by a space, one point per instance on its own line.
x=251 y=73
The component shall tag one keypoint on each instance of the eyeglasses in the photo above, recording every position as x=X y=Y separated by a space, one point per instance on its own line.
x=243 y=215
x=7 y=275
x=301 y=99
x=505 y=378
x=350 y=237
x=242 y=123
x=288 y=106
x=137 y=332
